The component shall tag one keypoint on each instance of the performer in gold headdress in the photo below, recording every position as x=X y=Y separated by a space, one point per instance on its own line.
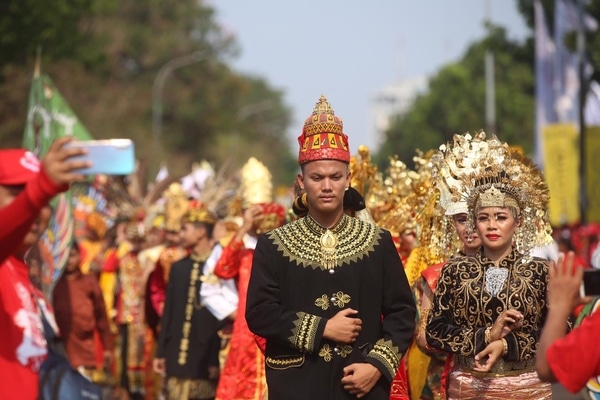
x=488 y=309
x=328 y=291
x=444 y=233
x=243 y=376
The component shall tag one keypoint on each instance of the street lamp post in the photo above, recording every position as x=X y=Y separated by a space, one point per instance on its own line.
x=159 y=82
x=245 y=112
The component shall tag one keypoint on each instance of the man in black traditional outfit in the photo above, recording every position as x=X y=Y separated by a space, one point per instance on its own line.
x=328 y=291
x=188 y=344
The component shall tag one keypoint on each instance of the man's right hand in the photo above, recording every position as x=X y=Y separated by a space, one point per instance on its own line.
x=158 y=365
x=59 y=165
x=344 y=327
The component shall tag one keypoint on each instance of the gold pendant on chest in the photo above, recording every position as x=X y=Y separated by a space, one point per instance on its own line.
x=328 y=249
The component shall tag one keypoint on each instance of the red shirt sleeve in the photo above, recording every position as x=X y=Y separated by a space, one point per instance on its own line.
x=18 y=216
x=575 y=359
x=228 y=265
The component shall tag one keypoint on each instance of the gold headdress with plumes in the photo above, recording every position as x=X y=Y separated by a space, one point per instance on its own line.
x=391 y=198
x=488 y=173
x=256 y=186
x=257 y=189
x=364 y=172
x=428 y=219
x=176 y=205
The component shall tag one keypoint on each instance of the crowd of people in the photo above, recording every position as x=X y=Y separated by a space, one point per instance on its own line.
x=445 y=281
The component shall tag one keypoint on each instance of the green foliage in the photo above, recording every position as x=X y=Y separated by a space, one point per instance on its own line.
x=105 y=57
x=455 y=101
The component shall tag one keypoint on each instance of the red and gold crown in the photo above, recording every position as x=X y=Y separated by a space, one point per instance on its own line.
x=322 y=136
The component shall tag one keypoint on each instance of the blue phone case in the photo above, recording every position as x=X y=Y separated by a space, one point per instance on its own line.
x=108 y=157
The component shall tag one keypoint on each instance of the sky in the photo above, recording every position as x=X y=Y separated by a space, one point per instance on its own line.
x=351 y=50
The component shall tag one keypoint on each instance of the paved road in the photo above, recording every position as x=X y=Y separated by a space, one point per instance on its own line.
x=560 y=393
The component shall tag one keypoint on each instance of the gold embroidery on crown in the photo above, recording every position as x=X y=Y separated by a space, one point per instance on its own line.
x=493 y=197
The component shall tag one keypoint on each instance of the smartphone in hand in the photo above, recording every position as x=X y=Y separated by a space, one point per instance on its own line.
x=590 y=286
x=108 y=157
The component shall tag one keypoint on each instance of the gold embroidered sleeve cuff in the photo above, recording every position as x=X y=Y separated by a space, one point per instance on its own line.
x=387 y=355
x=305 y=331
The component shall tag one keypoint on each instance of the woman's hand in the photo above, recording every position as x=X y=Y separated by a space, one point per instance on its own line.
x=508 y=321
x=485 y=360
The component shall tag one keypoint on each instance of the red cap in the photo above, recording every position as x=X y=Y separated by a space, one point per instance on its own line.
x=17 y=166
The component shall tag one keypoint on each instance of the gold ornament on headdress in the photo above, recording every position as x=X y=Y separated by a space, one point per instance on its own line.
x=364 y=172
x=256 y=186
x=198 y=212
x=488 y=173
x=428 y=219
x=394 y=198
x=176 y=205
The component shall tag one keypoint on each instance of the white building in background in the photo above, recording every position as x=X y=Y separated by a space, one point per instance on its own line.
x=393 y=101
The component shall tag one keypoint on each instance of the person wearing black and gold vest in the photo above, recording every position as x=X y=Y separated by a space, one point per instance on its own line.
x=188 y=343
x=488 y=309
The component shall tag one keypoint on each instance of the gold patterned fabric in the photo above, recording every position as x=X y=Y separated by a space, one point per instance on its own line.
x=524 y=386
x=472 y=292
x=300 y=241
x=188 y=338
x=303 y=335
x=184 y=389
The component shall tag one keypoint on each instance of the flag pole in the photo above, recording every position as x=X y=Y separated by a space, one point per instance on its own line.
x=583 y=200
x=38 y=63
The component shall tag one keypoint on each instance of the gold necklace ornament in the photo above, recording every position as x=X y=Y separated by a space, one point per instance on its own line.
x=328 y=250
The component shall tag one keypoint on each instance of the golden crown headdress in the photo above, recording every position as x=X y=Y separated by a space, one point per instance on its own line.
x=256 y=183
x=176 y=205
x=487 y=173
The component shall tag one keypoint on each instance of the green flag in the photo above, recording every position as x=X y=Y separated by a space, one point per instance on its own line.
x=48 y=118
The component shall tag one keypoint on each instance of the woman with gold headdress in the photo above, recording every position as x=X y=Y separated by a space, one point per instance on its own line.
x=444 y=233
x=488 y=310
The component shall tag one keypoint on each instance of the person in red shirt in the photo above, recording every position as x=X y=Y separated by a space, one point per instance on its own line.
x=574 y=358
x=26 y=187
x=80 y=313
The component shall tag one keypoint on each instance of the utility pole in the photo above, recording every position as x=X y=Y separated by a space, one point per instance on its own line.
x=490 y=84
x=583 y=86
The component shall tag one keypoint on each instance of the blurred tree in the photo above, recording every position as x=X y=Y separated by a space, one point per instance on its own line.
x=455 y=101
x=112 y=91
x=26 y=25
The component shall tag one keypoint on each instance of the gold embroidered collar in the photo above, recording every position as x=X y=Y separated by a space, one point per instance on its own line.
x=307 y=243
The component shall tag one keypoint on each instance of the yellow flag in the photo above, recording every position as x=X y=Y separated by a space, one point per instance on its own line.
x=592 y=171
x=561 y=171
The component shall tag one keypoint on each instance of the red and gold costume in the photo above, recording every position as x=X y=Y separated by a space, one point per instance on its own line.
x=134 y=346
x=243 y=376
